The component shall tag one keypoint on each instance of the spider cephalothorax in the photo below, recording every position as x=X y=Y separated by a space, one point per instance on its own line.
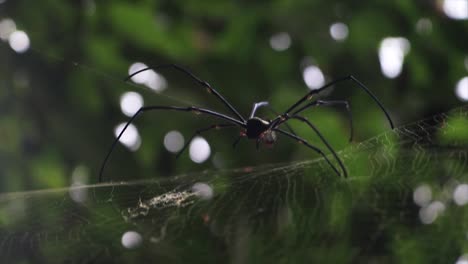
x=254 y=127
x=259 y=129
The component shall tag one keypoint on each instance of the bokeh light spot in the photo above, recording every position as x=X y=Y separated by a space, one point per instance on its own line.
x=19 y=41
x=339 y=31
x=280 y=41
x=173 y=141
x=203 y=190
x=80 y=174
x=461 y=89
x=424 y=26
x=130 y=138
x=460 y=194
x=131 y=239
x=130 y=103
x=199 y=150
x=462 y=259
x=156 y=82
x=7 y=26
x=456 y=9
x=422 y=195
x=149 y=78
x=429 y=214
x=313 y=77
x=392 y=52
x=141 y=77
x=90 y=7
x=78 y=192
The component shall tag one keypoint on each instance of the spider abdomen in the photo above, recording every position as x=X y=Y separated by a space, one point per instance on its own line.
x=256 y=126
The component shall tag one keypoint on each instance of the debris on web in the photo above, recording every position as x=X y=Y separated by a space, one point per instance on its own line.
x=165 y=200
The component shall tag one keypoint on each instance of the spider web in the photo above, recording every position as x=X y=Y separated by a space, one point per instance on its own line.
x=287 y=212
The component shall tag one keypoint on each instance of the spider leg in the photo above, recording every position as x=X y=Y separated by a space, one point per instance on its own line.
x=256 y=106
x=310 y=95
x=260 y=104
x=196 y=79
x=303 y=141
x=286 y=124
x=238 y=139
x=331 y=103
x=300 y=118
x=199 y=131
x=172 y=108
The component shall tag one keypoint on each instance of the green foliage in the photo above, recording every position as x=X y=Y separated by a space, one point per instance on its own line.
x=60 y=104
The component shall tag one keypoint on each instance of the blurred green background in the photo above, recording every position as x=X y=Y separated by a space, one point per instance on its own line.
x=61 y=97
x=62 y=65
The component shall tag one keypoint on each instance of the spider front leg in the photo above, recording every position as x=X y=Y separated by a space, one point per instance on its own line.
x=172 y=108
x=312 y=93
x=265 y=103
x=329 y=103
x=199 y=131
x=201 y=82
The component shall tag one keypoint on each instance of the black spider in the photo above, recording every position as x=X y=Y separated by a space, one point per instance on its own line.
x=263 y=131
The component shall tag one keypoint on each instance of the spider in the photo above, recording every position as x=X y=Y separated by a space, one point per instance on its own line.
x=264 y=131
